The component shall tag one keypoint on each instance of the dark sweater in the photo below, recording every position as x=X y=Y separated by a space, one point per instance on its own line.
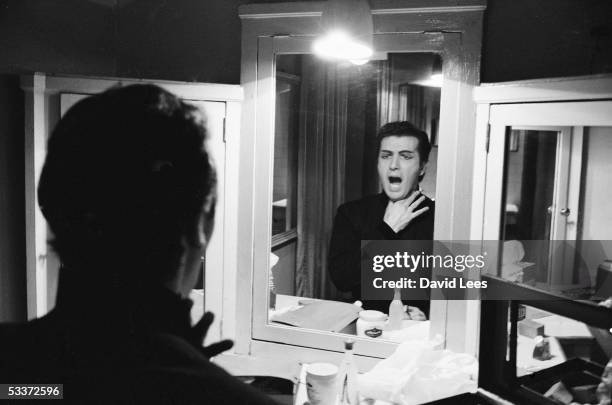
x=364 y=220
x=113 y=348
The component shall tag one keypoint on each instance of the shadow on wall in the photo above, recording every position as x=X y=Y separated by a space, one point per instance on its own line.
x=12 y=202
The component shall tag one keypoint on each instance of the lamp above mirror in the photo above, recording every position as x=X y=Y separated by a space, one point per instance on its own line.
x=346 y=32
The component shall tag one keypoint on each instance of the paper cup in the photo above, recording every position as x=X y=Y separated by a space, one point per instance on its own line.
x=321 y=383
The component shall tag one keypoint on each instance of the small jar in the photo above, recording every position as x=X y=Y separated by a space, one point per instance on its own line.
x=371 y=323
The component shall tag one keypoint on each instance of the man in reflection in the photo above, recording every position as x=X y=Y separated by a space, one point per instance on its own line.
x=399 y=212
x=128 y=188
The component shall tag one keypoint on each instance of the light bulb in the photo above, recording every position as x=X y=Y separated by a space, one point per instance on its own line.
x=339 y=45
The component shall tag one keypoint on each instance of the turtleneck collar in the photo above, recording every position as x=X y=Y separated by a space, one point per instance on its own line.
x=133 y=308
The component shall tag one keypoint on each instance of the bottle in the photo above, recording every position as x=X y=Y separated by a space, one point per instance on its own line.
x=347 y=377
x=396 y=311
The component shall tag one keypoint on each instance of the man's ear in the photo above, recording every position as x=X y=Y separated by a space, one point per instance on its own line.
x=208 y=217
x=200 y=231
x=422 y=171
x=196 y=236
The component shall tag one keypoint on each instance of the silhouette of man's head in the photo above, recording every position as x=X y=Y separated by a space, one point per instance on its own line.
x=128 y=185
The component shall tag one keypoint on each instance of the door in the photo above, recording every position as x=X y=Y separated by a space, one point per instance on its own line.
x=49 y=264
x=542 y=163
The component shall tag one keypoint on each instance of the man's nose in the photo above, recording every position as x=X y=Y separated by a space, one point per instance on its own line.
x=394 y=164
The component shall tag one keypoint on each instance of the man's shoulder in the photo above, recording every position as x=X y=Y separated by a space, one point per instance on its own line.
x=17 y=337
x=161 y=368
x=195 y=381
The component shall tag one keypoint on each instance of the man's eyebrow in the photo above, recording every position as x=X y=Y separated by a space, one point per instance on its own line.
x=407 y=151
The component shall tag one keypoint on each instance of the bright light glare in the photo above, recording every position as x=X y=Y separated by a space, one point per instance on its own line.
x=359 y=62
x=339 y=45
x=435 y=80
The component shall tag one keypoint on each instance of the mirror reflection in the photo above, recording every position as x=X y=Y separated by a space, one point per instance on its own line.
x=355 y=153
x=547 y=340
x=556 y=222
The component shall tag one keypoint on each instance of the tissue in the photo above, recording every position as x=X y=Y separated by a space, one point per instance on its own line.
x=513 y=252
x=513 y=267
x=419 y=372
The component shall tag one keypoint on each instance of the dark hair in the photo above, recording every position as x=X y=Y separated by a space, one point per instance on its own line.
x=405 y=128
x=126 y=173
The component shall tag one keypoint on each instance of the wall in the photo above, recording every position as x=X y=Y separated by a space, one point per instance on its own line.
x=12 y=195
x=56 y=36
x=522 y=39
x=527 y=39
x=187 y=40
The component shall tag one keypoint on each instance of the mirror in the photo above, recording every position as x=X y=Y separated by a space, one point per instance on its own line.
x=326 y=154
x=548 y=341
x=556 y=221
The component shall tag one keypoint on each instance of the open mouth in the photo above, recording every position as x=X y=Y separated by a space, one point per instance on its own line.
x=395 y=180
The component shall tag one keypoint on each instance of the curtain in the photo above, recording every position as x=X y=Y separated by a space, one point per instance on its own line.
x=321 y=174
x=412 y=105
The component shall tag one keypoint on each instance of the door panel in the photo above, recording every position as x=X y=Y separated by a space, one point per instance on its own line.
x=540 y=181
x=215 y=119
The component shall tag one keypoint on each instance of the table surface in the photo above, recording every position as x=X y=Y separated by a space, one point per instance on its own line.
x=410 y=329
x=555 y=327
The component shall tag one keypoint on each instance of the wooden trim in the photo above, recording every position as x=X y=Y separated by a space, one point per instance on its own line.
x=557 y=89
x=91 y=85
x=232 y=193
x=288 y=77
x=281 y=10
x=401 y=26
x=315 y=9
x=450 y=320
x=42 y=110
x=246 y=187
x=36 y=126
x=284 y=237
x=274 y=359
x=443 y=9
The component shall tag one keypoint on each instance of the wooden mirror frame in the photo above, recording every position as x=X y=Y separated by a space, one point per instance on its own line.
x=452 y=29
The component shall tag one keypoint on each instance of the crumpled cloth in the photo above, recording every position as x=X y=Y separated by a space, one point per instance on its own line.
x=419 y=372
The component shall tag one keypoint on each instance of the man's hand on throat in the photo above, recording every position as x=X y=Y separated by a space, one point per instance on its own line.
x=400 y=213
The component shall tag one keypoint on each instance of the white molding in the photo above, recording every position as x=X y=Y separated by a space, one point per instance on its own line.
x=274 y=359
x=551 y=114
x=288 y=77
x=36 y=126
x=42 y=111
x=281 y=10
x=314 y=9
x=556 y=89
x=460 y=9
x=91 y=85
